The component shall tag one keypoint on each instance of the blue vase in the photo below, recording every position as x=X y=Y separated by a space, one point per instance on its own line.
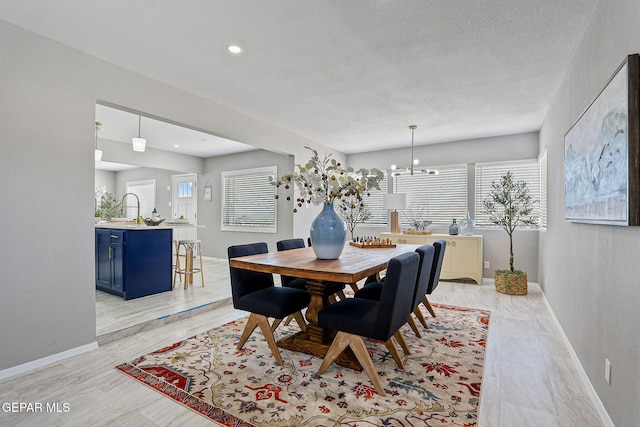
x=328 y=233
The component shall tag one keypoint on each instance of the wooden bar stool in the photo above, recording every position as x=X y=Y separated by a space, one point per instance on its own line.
x=189 y=269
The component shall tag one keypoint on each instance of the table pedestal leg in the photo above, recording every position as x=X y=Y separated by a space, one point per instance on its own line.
x=317 y=340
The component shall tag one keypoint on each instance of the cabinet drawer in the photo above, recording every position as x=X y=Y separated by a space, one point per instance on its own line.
x=117 y=236
x=412 y=240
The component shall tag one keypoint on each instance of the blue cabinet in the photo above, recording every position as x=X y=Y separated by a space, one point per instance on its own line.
x=133 y=263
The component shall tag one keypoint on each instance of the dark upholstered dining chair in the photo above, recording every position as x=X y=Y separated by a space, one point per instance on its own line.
x=295 y=282
x=288 y=281
x=355 y=318
x=434 y=277
x=374 y=290
x=255 y=292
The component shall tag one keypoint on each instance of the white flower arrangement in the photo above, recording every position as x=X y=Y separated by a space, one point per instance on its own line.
x=324 y=181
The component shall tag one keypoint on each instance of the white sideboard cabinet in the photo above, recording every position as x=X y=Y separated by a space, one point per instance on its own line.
x=462 y=256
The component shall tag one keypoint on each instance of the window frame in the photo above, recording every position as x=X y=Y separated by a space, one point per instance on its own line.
x=145 y=211
x=384 y=189
x=266 y=171
x=440 y=220
x=542 y=163
x=479 y=206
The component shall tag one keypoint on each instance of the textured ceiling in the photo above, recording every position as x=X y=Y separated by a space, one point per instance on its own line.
x=349 y=74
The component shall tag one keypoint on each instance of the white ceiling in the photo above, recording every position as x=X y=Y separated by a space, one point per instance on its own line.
x=349 y=74
x=119 y=125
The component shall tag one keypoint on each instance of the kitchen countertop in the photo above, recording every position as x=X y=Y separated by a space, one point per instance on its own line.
x=133 y=226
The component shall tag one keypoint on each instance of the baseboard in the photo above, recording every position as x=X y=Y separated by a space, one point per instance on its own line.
x=35 y=364
x=604 y=415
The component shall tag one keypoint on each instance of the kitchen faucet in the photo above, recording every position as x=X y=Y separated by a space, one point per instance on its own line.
x=138 y=221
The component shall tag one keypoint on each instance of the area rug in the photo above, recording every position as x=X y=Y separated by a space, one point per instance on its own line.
x=439 y=386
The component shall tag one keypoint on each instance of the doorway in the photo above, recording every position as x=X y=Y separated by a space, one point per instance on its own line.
x=184 y=204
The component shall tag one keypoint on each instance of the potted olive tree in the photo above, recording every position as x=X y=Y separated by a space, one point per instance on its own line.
x=510 y=206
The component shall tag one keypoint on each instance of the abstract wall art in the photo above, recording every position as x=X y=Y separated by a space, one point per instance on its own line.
x=602 y=154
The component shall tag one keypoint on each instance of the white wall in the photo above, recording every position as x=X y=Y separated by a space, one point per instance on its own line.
x=214 y=240
x=494 y=149
x=501 y=148
x=120 y=152
x=47 y=106
x=592 y=271
x=47 y=133
x=106 y=179
x=163 y=180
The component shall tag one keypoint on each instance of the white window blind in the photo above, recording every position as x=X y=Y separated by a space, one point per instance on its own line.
x=437 y=198
x=249 y=200
x=146 y=192
x=375 y=204
x=542 y=161
x=486 y=173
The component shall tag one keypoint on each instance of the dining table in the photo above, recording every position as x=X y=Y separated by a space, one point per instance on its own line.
x=354 y=265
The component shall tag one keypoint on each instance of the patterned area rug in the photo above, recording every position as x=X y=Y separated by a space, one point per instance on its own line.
x=439 y=386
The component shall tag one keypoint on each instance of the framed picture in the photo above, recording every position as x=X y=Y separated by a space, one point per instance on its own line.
x=208 y=190
x=602 y=154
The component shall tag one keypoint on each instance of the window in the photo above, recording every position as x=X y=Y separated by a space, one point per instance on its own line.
x=437 y=198
x=146 y=192
x=486 y=173
x=542 y=161
x=375 y=204
x=248 y=200
x=185 y=190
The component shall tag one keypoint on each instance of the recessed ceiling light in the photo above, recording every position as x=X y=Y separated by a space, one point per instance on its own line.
x=234 y=48
x=176 y=145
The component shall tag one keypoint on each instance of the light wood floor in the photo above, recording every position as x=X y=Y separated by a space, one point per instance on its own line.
x=117 y=318
x=529 y=379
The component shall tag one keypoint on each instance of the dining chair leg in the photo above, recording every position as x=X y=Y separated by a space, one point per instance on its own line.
x=288 y=320
x=340 y=342
x=413 y=325
x=252 y=322
x=394 y=353
x=341 y=295
x=263 y=324
x=425 y=302
x=420 y=317
x=300 y=321
x=362 y=354
x=403 y=343
x=275 y=324
x=356 y=343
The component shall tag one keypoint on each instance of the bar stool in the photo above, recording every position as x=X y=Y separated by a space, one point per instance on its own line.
x=188 y=270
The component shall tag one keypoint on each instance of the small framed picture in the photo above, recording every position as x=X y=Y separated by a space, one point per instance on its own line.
x=208 y=190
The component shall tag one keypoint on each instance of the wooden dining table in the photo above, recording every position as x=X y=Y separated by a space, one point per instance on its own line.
x=355 y=264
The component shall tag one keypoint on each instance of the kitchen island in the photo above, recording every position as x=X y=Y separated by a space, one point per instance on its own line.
x=134 y=260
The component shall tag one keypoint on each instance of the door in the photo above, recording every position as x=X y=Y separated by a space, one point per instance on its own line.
x=184 y=204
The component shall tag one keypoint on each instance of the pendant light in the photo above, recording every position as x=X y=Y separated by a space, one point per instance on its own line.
x=139 y=143
x=414 y=162
x=98 y=153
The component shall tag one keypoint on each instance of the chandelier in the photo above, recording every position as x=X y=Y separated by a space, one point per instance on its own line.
x=414 y=162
